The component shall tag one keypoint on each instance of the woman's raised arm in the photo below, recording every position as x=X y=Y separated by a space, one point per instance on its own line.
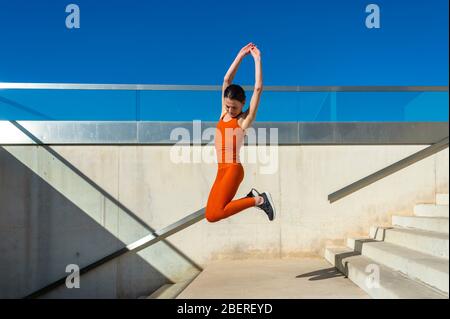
x=229 y=76
x=257 y=90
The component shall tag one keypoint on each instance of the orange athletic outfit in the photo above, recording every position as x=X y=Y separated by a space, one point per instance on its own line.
x=230 y=173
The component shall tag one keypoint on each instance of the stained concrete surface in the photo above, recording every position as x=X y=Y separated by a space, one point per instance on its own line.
x=302 y=278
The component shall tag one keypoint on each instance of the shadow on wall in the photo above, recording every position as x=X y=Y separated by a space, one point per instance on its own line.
x=42 y=231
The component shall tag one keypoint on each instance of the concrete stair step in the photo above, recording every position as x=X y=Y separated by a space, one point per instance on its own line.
x=436 y=224
x=378 y=232
x=441 y=199
x=427 y=242
x=390 y=284
x=433 y=271
x=356 y=243
x=431 y=210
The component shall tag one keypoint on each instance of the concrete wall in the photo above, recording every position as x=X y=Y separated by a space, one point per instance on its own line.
x=64 y=205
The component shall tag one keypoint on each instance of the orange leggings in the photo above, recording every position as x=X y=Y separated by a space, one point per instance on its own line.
x=220 y=204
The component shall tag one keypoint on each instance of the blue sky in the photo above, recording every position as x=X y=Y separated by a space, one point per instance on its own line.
x=318 y=42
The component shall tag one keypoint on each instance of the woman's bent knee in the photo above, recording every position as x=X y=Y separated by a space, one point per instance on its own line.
x=212 y=218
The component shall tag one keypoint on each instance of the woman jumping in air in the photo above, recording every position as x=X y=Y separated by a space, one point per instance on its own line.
x=230 y=132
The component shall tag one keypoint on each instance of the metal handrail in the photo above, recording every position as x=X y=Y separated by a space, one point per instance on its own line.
x=170 y=87
x=434 y=148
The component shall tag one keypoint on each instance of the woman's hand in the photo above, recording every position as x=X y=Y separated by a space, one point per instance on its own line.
x=255 y=52
x=246 y=50
x=229 y=76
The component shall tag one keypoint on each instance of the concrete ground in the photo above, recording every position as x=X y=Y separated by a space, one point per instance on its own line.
x=304 y=278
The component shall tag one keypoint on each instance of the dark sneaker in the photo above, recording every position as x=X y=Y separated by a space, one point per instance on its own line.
x=267 y=206
x=253 y=193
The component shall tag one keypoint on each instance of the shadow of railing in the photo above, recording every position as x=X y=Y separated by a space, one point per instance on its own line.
x=42 y=232
x=322 y=274
x=151 y=237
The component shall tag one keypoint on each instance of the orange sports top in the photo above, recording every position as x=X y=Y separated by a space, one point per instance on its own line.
x=228 y=140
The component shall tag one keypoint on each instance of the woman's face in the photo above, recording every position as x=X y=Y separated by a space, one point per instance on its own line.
x=233 y=107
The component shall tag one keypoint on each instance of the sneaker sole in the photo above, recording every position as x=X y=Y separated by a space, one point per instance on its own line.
x=269 y=197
